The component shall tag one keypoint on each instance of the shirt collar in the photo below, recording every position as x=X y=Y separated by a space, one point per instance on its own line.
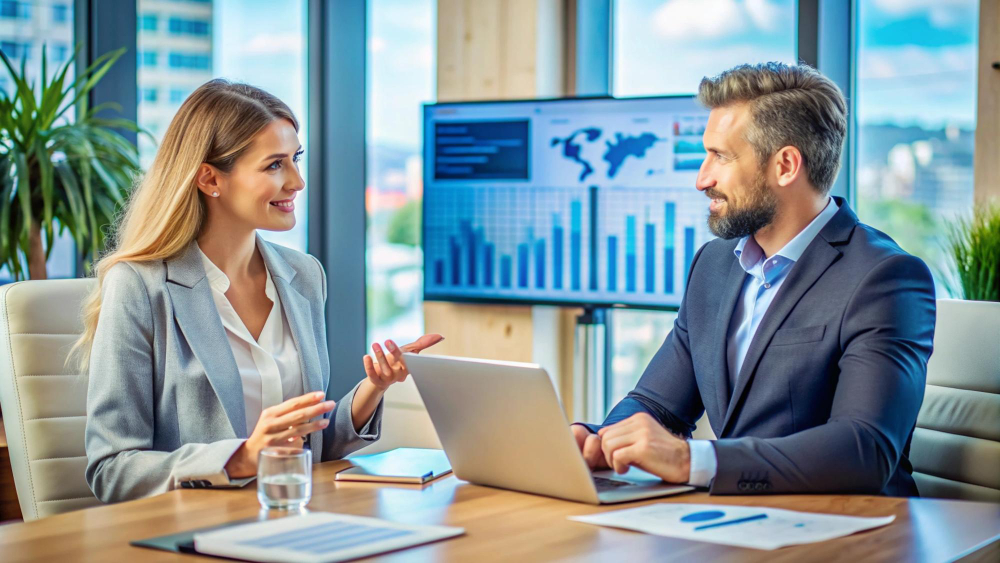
x=219 y=281
x=749 y=253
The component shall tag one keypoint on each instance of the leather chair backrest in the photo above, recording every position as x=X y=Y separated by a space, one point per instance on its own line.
x=44 y=402
x=956 y=445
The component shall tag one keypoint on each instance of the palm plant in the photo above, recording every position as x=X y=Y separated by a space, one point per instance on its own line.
x=57 y=171
x=974 y=245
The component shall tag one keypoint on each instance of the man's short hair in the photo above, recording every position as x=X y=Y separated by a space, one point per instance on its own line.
x=790 y=105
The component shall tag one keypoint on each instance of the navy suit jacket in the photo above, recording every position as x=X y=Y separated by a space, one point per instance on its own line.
x=827 y=397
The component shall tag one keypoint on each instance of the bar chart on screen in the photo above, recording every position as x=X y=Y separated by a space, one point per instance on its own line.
x=589 y=202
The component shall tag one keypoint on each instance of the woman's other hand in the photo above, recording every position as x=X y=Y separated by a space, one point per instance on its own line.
x=388 y=366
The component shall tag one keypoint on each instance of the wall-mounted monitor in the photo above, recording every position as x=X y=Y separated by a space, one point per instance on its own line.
x=587 y=201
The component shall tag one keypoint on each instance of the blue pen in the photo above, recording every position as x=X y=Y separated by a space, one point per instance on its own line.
x=728 y=522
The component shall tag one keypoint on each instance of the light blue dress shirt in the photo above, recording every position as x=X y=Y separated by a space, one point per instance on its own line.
x=759 y=288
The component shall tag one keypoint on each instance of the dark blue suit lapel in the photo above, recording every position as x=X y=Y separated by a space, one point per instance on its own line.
x=816 y=259
x=731 y=291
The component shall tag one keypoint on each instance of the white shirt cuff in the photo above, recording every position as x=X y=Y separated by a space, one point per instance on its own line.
x=704 y=464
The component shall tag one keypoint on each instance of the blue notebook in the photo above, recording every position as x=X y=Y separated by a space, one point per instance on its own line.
x=401 y=465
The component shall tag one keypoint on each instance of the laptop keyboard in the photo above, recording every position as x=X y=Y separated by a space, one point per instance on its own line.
x=603 y=483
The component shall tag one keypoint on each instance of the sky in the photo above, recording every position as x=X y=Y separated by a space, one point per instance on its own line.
x=916 y=59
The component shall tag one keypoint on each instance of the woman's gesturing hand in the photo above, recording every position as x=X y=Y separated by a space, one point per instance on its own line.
x=390 y=368
x=284 y=424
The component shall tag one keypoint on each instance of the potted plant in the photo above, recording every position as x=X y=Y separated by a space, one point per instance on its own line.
x=974 y=246
x=61 y=165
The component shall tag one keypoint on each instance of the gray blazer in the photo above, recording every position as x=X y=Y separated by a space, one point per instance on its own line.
x=165 y=401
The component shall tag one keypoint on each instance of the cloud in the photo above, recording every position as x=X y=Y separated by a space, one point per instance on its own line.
x=274 y=44
x=697 y=19
x=711 y=19
x=941 y=13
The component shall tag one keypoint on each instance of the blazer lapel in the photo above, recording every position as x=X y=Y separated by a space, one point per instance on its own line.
x=298 y=311
x=817 y=258
x=730 y=293
x=201 y=325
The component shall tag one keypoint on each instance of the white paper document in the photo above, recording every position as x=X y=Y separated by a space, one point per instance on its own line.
x=742 y=526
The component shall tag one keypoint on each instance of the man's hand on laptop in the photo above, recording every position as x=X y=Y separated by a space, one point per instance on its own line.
x=590 y=446
x=641 y=441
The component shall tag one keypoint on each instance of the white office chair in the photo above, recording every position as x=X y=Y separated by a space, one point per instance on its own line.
x=44 y=404
x=956 y=445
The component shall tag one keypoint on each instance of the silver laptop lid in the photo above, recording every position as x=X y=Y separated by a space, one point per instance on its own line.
x=501 y=425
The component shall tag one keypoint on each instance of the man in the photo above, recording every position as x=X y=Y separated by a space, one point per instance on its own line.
x=803 y=333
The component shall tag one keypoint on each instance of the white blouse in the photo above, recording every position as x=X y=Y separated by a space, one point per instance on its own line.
x=269 y=366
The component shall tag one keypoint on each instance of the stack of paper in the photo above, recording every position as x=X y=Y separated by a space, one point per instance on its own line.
x=743 y=526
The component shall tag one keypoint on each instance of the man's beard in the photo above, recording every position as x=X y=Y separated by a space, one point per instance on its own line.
x=756 y=211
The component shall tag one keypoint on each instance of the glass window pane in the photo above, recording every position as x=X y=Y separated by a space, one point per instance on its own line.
x=916 y=111
x=667 y=47
x=183 y=44
x=401 y=75
x=25 y=26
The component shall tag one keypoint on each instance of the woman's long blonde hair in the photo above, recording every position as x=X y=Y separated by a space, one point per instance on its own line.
x=165 y=211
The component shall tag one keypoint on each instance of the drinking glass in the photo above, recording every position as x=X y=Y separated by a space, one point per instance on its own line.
x=284 y=478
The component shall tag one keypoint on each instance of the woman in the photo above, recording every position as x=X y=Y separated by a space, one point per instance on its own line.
x=204 y=343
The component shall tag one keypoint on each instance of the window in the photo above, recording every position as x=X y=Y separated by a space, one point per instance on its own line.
x=178 y=95
x=16 y=50
x=915 y=103
x=240 y=40
x=667 y=47
x=148 y=22
x=179 y=26
x=15 y=10
x=60 y=53
x=60 y=13
x=400 y=77
x=192 y=61
x=147 y=94
x=147 y=58
x=25 y=39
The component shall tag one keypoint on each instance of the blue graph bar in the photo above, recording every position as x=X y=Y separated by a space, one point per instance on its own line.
x=488 y=251
x=593 y=238
x=454 y=251
x=630 y=253
x=668 y=247
x=540 y=263
x=469 y=237
x=688 y=250
x=612 y=263
x=439 y=272
x=650 y=258
x=575 y=243
x=522 y=265
x=557 y=253
x=505 y=274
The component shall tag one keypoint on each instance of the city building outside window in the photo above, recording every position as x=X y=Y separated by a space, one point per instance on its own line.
x=401 y=76
x=915 y=106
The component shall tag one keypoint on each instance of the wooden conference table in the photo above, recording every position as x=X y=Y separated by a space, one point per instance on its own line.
x=504 y=525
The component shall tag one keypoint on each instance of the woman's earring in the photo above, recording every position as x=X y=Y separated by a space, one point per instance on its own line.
x=215 y=194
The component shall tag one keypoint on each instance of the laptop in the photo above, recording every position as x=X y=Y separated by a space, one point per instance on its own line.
x=501 y=425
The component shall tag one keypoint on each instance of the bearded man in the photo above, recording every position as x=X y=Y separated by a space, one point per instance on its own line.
x=803 y=333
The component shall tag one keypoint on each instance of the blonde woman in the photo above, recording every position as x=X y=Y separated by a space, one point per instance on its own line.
x=204 y=343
